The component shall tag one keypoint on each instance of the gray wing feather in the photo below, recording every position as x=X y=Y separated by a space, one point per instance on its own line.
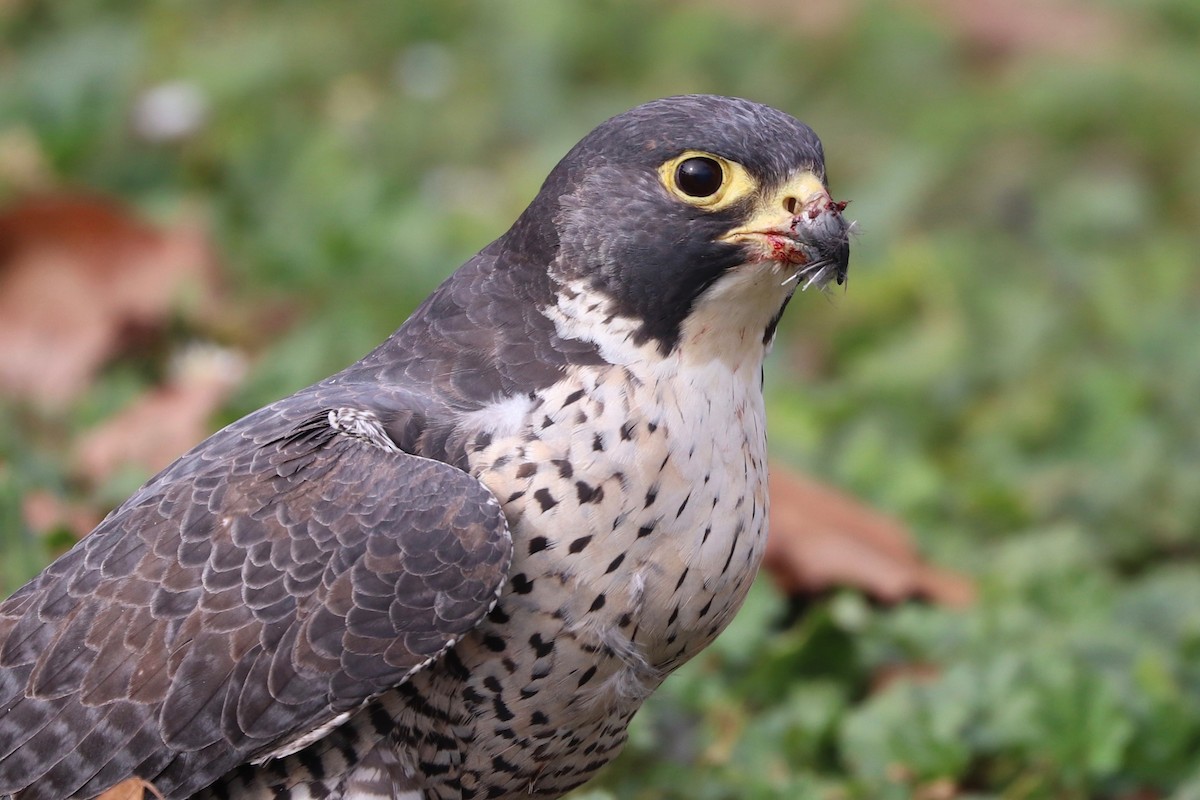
x=280 y=573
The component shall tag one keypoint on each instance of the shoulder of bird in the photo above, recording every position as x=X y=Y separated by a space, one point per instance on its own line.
x=322 y=549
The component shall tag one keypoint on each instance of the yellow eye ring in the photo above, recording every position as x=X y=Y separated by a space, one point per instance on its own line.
x=705 y=180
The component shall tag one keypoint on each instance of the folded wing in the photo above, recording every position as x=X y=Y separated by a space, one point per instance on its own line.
x=277 y=576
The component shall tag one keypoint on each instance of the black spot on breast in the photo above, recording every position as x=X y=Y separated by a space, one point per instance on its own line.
x=616 y=562
x=312 y=762
x=520 y=584
x=579 y=544
x=441 y=741
x=588 y=493
x=502 y=765
x=454 y=666
x=565 y=470
x=527 y=470
x=587 y=675
x=280 y=771
x=646 y=530
x=380 y=720
x=598 y=603
x=541 y=648
x=545 y=499
x=729 y=558
x=494 y=643
x=598 y=443
x=434 y=768
x=537 y=544
x=682 y=578
x=502 y=712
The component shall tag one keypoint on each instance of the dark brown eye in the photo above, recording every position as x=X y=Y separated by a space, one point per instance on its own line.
x=699 y=177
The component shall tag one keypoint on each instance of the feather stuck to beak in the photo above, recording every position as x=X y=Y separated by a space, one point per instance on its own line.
x=801 y=225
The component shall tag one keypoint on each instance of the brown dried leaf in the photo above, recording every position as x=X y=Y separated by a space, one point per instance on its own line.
x=78 y=277
x=132 y=789
x=165 y=421
x=821 y=538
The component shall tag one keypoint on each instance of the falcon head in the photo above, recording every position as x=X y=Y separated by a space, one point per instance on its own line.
x=687 y=214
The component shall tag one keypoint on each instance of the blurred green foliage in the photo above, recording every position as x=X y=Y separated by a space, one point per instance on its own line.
x=1014 y=369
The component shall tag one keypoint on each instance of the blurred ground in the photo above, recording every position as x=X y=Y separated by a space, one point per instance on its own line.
x=1013 y=370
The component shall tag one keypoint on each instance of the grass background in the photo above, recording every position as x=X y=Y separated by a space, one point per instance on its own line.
x=1014 y=369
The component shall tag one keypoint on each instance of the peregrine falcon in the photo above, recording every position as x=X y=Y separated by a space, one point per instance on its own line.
x=456 y=568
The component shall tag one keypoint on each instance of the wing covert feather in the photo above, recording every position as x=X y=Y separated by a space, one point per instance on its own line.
x=282 y=572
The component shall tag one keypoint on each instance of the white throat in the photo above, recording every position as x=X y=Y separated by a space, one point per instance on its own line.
x=726 y=325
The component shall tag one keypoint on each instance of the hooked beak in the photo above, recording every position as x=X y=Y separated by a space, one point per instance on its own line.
x=799 y=224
